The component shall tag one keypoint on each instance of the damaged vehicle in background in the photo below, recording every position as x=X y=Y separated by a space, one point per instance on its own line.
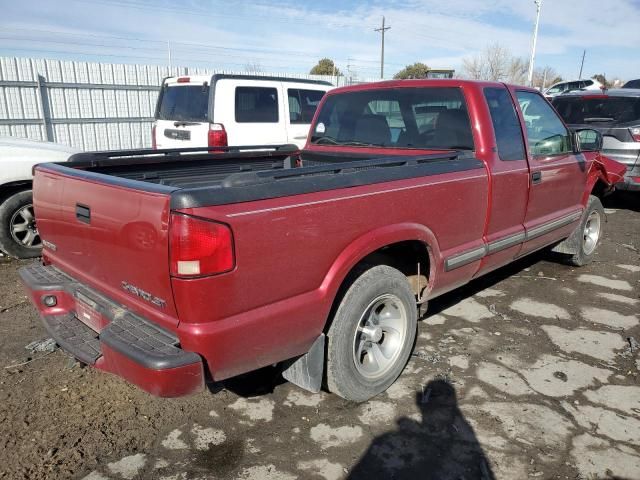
x=615 y=114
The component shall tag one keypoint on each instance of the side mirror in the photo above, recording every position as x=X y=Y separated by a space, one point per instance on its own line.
x=587 y=140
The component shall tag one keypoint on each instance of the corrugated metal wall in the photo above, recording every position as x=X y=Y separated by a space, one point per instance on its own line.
x=92 y=106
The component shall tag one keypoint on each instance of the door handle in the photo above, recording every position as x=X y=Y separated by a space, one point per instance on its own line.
x=536 y=178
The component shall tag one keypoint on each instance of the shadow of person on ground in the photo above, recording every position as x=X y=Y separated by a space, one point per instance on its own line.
x=441 y=446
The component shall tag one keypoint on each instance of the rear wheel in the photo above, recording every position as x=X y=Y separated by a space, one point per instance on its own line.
x=372 y=334
x=19 y=236
x=590 y=233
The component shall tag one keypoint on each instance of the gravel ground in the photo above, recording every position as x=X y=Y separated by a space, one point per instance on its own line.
x=528 y=372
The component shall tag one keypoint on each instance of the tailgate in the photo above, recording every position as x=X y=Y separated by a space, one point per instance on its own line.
x=111 y=236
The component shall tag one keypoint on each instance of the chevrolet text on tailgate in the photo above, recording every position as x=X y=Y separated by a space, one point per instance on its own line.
x=173 y=267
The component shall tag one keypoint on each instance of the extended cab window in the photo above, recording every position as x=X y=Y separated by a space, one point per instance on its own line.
x=506 y=124
x=303 y=104
x=546 y=134
x=423 y=118
x=188 y=103
x=256 y=105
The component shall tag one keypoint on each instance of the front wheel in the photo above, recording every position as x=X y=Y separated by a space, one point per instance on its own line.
x=589 y=233
x=19 y=236
x=372 y=334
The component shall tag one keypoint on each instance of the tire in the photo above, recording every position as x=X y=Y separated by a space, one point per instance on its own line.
x=18 y=233
x=589 y=233
x=378 y=307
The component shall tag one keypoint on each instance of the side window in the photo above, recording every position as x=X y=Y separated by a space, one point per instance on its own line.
x=256 y=105
x=546 y=134
x=303 y=104
x=574 y=86
x=588 y=83
x=506 y=124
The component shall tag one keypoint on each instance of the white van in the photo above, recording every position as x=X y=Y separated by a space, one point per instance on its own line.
x=236 y=110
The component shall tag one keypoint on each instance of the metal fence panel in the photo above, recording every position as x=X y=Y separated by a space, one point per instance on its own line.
x=88 y=105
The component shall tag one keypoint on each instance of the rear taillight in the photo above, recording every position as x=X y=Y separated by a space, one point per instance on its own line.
x=199 y=247
x=184 y=79
x=217 y=136
x=154 y=143
x=635 y=133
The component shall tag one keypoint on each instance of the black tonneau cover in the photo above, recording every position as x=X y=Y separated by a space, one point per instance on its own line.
x=195 y=177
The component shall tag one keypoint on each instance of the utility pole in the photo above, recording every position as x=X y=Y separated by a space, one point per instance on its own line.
x=382 y=30
x=584 y=53
x=169 y=52
x=535 y=41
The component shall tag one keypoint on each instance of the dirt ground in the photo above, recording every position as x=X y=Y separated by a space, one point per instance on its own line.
x=531 y=372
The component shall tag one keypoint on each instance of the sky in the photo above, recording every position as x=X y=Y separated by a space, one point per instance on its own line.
x=290 y=36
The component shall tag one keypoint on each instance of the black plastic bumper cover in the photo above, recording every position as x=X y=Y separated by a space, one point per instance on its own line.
x=131 y=335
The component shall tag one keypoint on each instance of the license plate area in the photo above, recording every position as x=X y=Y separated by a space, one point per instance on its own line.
x=177 y=134
x=88 y=312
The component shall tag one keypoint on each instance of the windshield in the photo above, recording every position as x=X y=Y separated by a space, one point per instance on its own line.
x=424 y=118
x=598 y=109
x=188 y=103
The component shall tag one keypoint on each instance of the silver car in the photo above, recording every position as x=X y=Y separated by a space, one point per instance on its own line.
x=614 y=113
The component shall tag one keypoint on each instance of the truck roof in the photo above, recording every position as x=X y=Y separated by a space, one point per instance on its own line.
x=228 y=76
x=439 y=82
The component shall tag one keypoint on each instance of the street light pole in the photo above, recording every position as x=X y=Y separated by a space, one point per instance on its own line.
x=535 y=41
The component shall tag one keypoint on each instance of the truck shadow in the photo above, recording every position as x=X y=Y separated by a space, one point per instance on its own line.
x=487 y=281
x=442 y=444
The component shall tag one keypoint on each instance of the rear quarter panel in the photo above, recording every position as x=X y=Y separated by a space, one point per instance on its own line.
x=293 y=253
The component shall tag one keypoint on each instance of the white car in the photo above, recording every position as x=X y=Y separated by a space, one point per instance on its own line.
x=235 y=110
x=572 y=86
x=18 y=233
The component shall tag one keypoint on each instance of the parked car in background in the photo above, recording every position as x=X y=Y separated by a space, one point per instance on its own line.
x=236 y=260
x=615 y=114
x=571 y=86
x=632 y=84
x=19 y=236
x=239 y=110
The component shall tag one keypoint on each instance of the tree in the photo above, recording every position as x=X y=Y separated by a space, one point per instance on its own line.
x=545 y=77
x=603 y=80
x=417 y=70
x=325 y=66
x=253 y=68
x=491 y=64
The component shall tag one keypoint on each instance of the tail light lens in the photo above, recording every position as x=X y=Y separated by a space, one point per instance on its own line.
x=199 y=247
x=217 y=135
x=154 y=143
x=635 y=133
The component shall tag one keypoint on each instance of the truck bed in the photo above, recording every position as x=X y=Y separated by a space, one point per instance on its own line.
x=195 y=179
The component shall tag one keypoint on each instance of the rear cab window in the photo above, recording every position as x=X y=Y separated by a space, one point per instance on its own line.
x=184 y=102
x=434 y=118
x=303 y=104
x=256 y=105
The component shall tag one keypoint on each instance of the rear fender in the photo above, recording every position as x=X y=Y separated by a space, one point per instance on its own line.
x=375 y=240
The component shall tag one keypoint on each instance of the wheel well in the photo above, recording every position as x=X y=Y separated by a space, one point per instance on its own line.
x=9 y=189
x=411 y=257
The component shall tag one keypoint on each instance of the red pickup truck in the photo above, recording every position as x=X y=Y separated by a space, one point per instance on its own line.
x=170 y=268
